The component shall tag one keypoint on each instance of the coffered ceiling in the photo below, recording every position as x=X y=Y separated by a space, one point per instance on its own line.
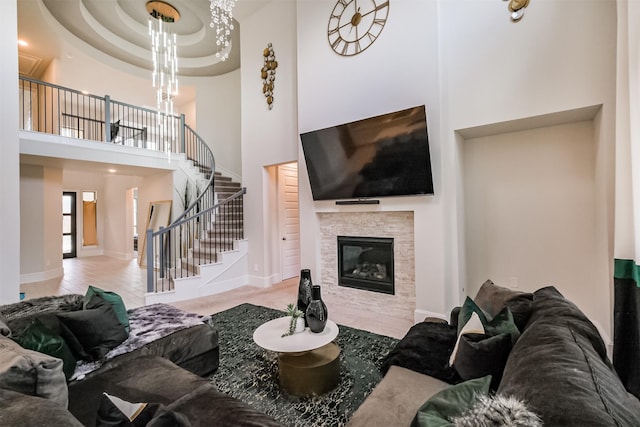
x=119 y=29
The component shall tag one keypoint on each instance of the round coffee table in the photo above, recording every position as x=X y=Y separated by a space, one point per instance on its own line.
x=308 y=362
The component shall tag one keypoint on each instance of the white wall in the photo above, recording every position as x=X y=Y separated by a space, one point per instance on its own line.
x=530 y=203
x=399 y=70
x=497 y=72
x=269 y=137
x=9 y=158
x=41 y=225
x=118 y=231
x=218 y=117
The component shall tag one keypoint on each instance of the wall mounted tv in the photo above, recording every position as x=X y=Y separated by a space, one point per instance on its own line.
x=386 y=155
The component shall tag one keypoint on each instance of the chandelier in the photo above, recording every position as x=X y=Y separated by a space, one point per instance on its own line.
x=222 y=23
x=164 y=52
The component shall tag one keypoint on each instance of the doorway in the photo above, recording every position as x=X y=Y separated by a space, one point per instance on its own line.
x=289 y=220
x=69 y=225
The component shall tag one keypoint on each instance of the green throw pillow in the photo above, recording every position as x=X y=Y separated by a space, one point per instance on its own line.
x=113 y=299
x=450 y=402
x=39 y=338
x=502 y=323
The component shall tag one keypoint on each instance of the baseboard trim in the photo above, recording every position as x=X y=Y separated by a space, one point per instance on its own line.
x=420 y=315
x=264 y=281
x=42 y=275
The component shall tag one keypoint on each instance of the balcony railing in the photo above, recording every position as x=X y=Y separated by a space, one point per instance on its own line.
x=53 y=109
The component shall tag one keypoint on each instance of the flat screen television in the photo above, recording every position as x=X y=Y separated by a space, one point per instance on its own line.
x=381 y=156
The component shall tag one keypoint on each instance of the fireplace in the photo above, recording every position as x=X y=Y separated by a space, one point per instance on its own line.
x=366 y=263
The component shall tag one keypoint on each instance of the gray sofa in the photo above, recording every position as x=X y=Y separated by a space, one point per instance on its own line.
x=558 y=367
x=167 y=372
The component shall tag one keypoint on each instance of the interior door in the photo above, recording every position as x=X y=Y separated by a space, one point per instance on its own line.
x=68 y=225
x=289 y=218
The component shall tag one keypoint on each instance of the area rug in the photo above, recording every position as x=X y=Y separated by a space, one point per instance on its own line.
x=250 y=373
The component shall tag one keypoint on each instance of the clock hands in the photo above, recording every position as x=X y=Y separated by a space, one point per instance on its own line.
x=380 y=6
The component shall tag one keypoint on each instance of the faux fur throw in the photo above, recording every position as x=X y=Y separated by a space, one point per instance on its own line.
x=497 y=411
x=147 y=323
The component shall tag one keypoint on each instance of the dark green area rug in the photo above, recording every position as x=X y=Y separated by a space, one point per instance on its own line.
x=250 y=373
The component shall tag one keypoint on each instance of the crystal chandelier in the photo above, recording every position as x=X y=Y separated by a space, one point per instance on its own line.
x=164 y=52
x=222 y=23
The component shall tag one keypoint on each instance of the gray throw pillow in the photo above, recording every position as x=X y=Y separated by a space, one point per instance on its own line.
x=33 y=373
x=492 y=299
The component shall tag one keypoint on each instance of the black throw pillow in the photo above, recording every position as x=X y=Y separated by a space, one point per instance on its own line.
x=98 y=329
x=425 y=349
x=480 y=355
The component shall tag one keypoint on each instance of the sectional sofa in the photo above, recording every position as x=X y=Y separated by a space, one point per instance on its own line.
x=557 y=367
x=154 y=358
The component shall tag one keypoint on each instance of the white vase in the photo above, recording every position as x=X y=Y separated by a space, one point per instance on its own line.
x=299 y=325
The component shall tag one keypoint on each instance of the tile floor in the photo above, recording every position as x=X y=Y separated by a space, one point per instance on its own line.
x=129 y=281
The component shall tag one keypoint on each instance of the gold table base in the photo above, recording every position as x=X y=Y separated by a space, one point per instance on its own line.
x=310 y=373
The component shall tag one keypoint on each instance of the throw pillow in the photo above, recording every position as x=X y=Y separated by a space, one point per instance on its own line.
x=112 y=298
x=51 y=322
x=480 y=355
x=426 y=349
x=98 y=329
x=38 y=337
x=450 y=402
x=497 y=411
x=472 y=319
x=493 y=298
x=473 y=325
x=31 y=372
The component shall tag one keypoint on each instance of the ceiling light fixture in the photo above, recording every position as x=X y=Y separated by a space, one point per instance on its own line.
x=516 y=7
x=222 y=23
x=165 y=54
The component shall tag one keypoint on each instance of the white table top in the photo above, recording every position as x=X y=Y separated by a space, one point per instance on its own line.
x=269 y=336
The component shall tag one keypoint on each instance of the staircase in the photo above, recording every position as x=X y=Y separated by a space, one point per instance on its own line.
x=216 y=260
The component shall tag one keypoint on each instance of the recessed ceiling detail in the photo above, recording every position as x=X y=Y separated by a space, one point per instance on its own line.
x=27 y=64
x=119 y=28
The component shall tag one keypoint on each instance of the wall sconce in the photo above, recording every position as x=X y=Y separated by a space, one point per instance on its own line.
x=516 y=7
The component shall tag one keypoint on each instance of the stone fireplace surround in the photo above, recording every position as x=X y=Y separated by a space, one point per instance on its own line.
x=399 y=226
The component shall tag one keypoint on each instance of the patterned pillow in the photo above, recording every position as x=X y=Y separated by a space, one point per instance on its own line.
x=497 y=411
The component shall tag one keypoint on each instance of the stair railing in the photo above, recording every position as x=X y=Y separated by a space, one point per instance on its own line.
x=170 y=253
x=49 y=108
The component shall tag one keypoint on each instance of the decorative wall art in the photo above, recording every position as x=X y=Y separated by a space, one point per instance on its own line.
x=268 y=74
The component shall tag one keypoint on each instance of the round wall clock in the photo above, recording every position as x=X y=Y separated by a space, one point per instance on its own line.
x=355 y=24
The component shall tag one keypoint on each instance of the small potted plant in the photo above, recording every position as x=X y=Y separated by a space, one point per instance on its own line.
x=296 y=323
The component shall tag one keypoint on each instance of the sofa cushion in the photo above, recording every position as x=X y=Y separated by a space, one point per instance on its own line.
x=493 y=298
x=451 y=402
x=396 y=399
x=558 y=368
x=98 y=329
x=31 y=372
x=113 y=299
x=21 y=410
x=38 y=337
x=425 y=348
